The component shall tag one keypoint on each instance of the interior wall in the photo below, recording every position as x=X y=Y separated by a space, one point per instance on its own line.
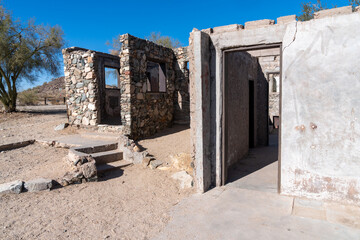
x=320 y=129
x=207 y=129
x=236 y=103
x=241 y=68
x=269 y=60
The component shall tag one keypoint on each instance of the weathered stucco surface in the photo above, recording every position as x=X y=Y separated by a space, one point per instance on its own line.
x=220 y=39
x=320 y=132
x=238 y=66
x=200 y=108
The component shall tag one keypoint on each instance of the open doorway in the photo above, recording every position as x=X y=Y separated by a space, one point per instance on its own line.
x=250 y=149
x=112 y=113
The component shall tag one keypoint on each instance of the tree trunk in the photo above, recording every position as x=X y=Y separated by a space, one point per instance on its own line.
x=10 y=106
x=10 y=101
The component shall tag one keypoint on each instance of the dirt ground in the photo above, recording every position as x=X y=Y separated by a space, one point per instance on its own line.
x=133 y=203
x=168 y=142
x=33 y=161
x=31 y=123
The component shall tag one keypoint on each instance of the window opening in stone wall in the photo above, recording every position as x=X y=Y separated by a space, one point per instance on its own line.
x=274 y=82
x=111 y=78
x=156 y=77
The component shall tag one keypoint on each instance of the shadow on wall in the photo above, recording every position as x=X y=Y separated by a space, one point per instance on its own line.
x=181 y=94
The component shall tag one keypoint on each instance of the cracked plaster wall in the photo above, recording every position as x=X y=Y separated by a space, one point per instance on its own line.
x=320 y=132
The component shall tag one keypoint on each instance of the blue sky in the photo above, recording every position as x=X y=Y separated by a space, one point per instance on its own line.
x=91 y=23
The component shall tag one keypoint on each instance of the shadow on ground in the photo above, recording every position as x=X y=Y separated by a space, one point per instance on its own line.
x=110 y=175
x=43 y=110
x=257 y=159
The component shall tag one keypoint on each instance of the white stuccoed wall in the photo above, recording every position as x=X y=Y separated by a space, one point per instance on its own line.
x=320 y=125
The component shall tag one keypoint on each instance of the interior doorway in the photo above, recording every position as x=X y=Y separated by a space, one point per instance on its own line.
x=248 y=145
x=112 y=106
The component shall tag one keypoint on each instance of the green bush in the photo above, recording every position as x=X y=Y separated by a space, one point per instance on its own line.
x=27 y=98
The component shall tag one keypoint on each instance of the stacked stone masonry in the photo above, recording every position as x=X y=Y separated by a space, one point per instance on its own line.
x=150 y=111
x=81 y=86
x=140 y=111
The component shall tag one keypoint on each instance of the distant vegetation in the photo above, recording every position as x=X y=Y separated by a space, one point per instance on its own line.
x=53 y=91
x=308 y=9
x=156 y=37
x=28 y=98
x=164 y=41
x=26 y=50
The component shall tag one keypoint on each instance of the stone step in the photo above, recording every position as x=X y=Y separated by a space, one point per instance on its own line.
x=104 y=128
x=102 y=168
x=93 y=149
x=107 y=157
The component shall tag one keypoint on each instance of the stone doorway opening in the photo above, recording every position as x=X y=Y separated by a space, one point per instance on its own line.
x=251 y=102
x=111 y=105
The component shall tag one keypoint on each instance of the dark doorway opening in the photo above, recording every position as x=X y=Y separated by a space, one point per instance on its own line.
x=112 y=107
x=251 y=114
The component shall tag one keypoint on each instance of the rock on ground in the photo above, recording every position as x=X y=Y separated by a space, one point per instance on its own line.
x=71 y=178
x=155 y=163
x=11 y=187
x=182 y=161
x=186 y=181
x=61 y=126
x=89 y=170
x=39 y=184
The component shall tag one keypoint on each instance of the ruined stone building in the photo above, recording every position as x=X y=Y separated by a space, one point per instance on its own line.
x=314 y=67
x=150 y=94
x=302 y=77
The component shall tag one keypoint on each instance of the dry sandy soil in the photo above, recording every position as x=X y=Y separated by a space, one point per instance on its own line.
x=168 y=142
x=32 y=123
x=133 y=203
x=33 y=161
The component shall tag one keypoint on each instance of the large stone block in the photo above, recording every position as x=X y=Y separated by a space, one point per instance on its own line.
x=227 y=28
x=259 y=23
x=286 y=19
x=185 y=180
x=39 y=184
x=333 y=12
x=11 y=187
x=89 y=170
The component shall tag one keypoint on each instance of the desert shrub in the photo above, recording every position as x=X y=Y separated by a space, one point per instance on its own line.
x=27 y=98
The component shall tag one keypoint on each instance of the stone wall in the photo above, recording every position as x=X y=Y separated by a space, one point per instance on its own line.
x=149 y=111
x=81 y=86
x=85 y=84
x=140 y=112
x=181 y=95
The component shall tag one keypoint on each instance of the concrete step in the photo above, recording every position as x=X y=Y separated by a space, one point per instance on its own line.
x=107 y=157
x=102 y=168
x=97 y=148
